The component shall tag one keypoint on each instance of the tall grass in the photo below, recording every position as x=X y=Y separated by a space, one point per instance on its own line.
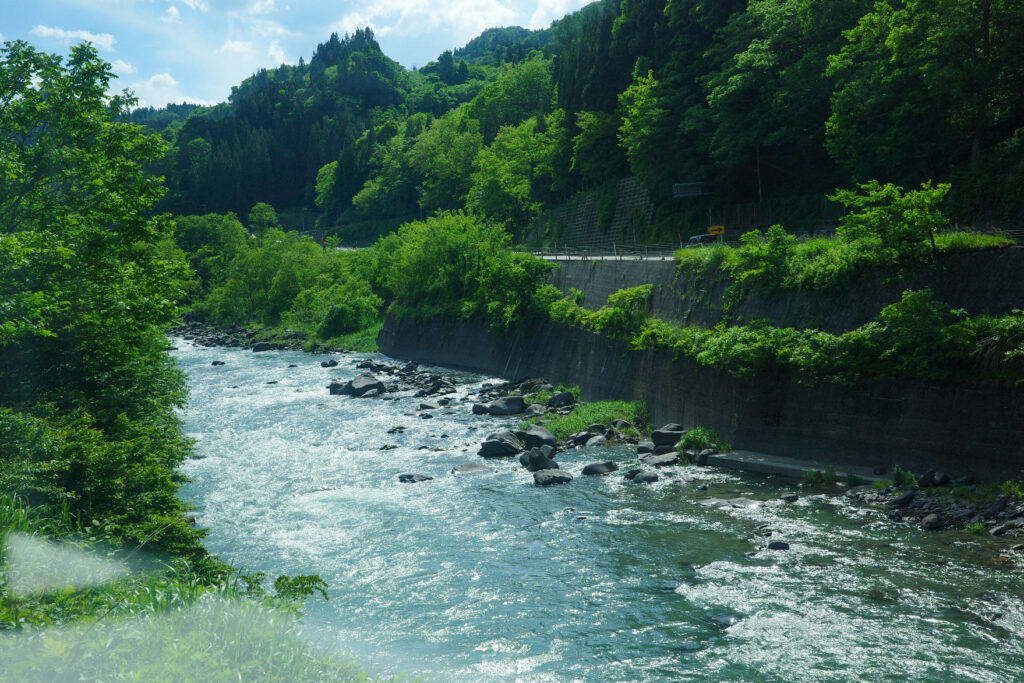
x=602 y=412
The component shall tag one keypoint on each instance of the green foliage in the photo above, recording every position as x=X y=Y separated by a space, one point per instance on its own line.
x=698 y=439
x=826 y=477
x=961 y=240
x=902 y=478
x=976 y=528
x=263 y=218
x=585 y=414
x=900 y=225
x=454 y=264
x=915 y=337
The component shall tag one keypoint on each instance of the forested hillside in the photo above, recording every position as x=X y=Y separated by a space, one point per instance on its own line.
x=758 y=99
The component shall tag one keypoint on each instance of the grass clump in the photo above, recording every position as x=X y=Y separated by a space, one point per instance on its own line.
x=976 y=528
x=962 y=240
x=699 y=438
x=601 y=412
x=826 y=477
x=902 y=478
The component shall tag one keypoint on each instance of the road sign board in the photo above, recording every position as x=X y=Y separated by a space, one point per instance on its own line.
x=716 y=230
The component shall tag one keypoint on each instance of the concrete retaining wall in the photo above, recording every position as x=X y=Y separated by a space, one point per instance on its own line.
x=989 y=282
x=979 y=430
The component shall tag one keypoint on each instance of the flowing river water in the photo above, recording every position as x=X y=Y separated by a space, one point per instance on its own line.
x=488 y=577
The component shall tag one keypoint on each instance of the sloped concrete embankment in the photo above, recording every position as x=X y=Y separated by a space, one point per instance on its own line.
x=961 y=430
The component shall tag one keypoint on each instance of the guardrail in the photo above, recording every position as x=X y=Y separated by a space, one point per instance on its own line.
x=616 y=252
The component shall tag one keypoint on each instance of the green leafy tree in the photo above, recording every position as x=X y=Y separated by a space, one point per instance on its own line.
x=87 y=391
x=901 y=225
x=262 y=218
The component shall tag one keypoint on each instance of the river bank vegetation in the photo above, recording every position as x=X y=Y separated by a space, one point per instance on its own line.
x=92 y=531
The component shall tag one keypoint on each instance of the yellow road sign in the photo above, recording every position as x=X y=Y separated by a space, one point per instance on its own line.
x=716 y=230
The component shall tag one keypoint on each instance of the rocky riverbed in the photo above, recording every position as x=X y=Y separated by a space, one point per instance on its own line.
x=605 y=554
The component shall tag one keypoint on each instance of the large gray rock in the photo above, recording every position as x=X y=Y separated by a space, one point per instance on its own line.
x=645 y=477
x=360 y=386
x=661 y=460
x=673 y=427
x=549 y=477
x=535 y=410
x=645 y=447
x=509 y=405
x=598 y=468
x=561 y=399
x=536 y=436
x=537 y=459
x=471 y=467
x=262 y=346
x=501 y=445
x=598 y=440
x=665 y=437
x=547 y=451
x=622 y=424
x=479 y=409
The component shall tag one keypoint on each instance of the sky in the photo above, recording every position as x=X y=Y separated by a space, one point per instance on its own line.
x=195 y=50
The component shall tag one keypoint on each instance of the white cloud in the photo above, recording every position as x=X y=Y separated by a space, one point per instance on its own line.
x=276 y=54
x=550 y=10
x=122 y=67
x=164 y=80
x=195 y=4
x=160 y=89
x=463 y=18
x=104 y=41
x=260 y=7
x=236 y=46
x=173 y=16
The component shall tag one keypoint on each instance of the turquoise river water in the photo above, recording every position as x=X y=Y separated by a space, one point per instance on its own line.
x=490 y=578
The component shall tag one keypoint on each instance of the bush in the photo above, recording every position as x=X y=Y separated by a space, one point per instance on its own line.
x=453 y=264
x=700 y=438
x=901 y=224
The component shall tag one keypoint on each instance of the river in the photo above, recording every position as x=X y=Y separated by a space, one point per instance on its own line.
x=490 y=578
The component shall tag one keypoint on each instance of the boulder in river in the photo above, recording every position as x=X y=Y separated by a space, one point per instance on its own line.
x=778 y=545
x=509 y=405
x=479 y=409
x=362 y=385
x=262 y=346
x=536 y=436
x=903 y=500
x=537 y=459
x=549 y=477
x=332 y=363
x=932 y=522
x=645 y=447
x=661 y=460
x=644 y=477
x=665 y=437
x=597 y=440
x=413 y=478
x=501 y=445
x=622 y=424
x=599 y=468
x=217 y=362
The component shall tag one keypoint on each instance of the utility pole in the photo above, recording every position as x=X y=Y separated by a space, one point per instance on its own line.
x=760 y=198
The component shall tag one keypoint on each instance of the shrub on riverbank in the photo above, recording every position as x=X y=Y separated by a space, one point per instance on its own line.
x=915 y=337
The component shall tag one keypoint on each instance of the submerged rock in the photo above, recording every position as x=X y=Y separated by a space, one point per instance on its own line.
x=413 y=478
x=471 y=467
